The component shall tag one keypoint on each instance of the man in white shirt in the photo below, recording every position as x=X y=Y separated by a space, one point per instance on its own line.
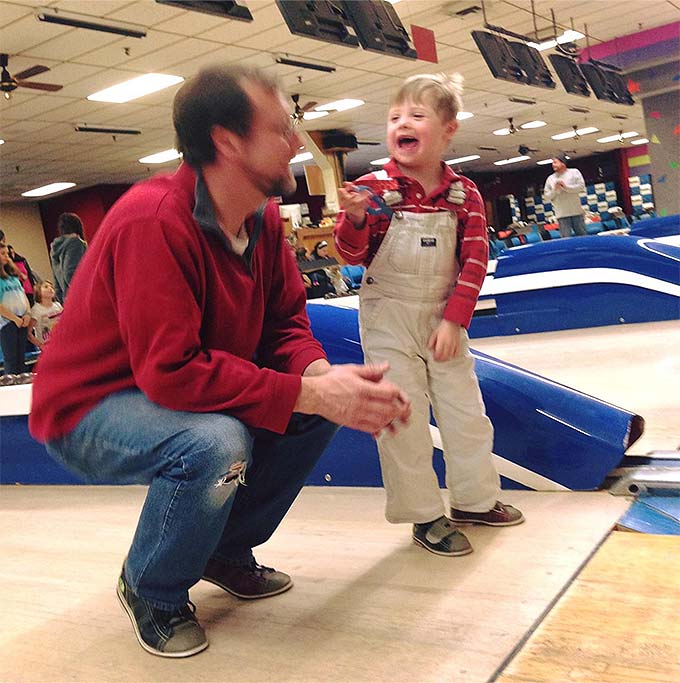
x=562 y=189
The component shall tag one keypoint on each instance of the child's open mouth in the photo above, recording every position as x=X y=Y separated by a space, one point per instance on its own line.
x=406 y=142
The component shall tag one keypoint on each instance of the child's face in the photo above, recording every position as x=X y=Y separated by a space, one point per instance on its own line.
x=416 y=134
x=46 y=292
x=4 y=255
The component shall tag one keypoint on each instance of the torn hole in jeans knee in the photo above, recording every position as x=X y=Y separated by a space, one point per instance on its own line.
x=237 y=472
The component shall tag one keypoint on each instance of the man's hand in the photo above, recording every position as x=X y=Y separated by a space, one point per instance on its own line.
x=354 y=203
x=444 y=342
x=559 y=185
x=355 y=396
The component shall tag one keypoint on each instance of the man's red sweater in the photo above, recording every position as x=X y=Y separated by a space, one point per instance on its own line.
x=161 y=303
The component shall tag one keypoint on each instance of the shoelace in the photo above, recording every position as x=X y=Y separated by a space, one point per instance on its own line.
x=259 y=569
x=184 y=613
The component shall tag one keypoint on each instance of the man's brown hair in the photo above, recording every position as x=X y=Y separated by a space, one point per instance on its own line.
x=214 y=97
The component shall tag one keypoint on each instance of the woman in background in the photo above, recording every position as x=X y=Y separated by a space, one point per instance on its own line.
x=66 y=252
x=26 y=275
x=14 y=315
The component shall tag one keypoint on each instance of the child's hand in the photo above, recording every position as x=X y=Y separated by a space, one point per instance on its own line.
x=444 y=342
x=354 y=203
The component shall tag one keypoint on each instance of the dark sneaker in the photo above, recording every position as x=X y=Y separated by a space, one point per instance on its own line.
x=174 y=633
x=441 y=538
x=499 y=515
x=248 y=581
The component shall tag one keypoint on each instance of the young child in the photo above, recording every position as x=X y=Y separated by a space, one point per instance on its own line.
x=14 y=315
x=44 y=314
x=425 y=249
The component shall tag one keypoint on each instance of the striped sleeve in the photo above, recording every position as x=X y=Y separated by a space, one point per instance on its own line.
x=474 y=257
x=351 y=244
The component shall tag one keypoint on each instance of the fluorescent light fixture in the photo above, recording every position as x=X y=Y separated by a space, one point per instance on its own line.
x=564 y=136
x=462 y=115
x=339 y=105
x=303 y=156
x=304 y=65
x=574 y=133
x=461 y=160
x=618 y=136
x=135 y=88
x=502 y=131
x=546 y=45
x=47 y=189
x=161 y=157
x=53 y=16
x=514 y=160
x=309 y=115
x=569 y=36
x=380 y=162
x=533 y=124
x=641 y=141
x=543 y=162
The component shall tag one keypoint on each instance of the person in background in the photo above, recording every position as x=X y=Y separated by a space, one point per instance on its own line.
x=14 y=315
x=316 y=279
x=45 y=313
x=66 y=252
x=562 y=189
x=426 y=255
x=26 y=275
x=209 y=387
x=320 y=250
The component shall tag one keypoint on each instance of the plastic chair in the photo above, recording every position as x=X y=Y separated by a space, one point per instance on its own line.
x=354 y=274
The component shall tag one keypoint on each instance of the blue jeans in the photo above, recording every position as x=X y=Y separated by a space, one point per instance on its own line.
x=569 y=223
x=216 y=487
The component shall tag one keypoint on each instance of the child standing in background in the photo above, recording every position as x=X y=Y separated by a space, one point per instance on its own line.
x=426 y=254
x=44 y=314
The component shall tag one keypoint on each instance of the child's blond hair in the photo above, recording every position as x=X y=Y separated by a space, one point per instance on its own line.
x=443 y=92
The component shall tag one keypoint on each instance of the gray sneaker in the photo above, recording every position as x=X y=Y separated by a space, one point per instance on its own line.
x=248 y=581
x=174 y=633
x=441 y=538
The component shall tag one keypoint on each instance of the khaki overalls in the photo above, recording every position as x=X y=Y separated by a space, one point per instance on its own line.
x=403 y=295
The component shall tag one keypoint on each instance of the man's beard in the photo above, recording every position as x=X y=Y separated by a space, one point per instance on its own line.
x=274 y=187
x=270 y=186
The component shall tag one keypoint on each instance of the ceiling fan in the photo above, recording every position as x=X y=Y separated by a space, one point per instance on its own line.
x=9 y=83
x=299 y=111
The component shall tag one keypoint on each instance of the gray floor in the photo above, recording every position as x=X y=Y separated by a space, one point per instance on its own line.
x=367 y=604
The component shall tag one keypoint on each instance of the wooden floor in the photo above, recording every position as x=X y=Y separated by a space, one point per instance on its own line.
x=367 y=605
x=618 y=623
